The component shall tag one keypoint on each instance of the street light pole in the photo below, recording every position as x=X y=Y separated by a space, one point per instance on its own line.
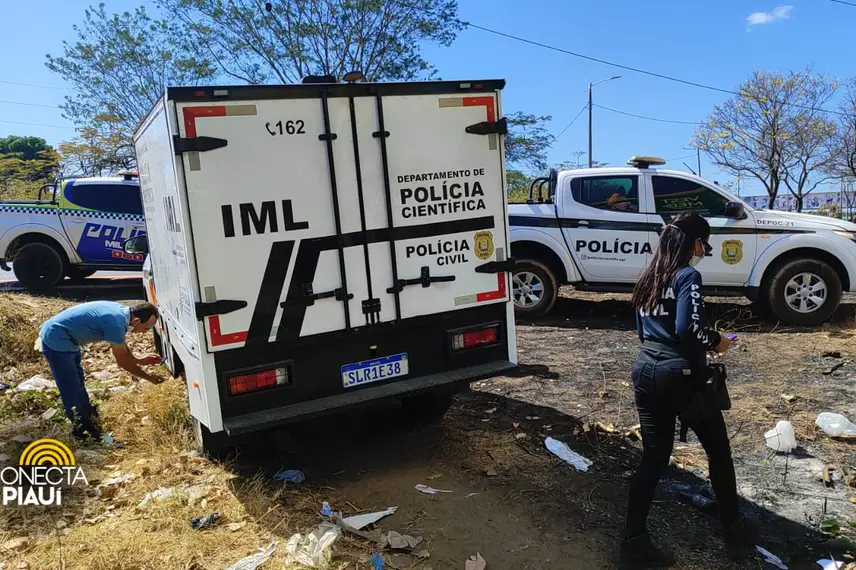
x=590 y=105
x=591 y=162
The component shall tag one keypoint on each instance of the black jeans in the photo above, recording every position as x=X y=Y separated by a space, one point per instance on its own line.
x=663 y=385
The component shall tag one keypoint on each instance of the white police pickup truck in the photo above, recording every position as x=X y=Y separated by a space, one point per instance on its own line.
x=597 y=229
x=75 y=228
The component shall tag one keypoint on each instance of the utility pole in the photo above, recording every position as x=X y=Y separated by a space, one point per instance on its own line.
x=698 y=158
x=591 y=162
x=590 y=105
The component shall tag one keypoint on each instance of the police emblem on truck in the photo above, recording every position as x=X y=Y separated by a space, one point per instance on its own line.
x=483 y=245
x=732 y=251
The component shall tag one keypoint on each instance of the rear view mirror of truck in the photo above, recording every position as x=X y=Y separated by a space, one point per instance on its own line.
x=735 y=210
x=139 y=244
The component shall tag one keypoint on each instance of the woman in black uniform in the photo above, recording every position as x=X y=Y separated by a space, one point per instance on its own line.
x=668 y=372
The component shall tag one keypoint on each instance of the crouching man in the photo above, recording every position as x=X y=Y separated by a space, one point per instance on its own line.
x=62 y=336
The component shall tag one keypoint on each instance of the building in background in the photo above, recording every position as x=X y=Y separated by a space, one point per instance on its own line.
x=844 y=198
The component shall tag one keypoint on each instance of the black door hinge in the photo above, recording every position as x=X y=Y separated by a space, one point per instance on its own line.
x=221 y=307
x=371 y=306
x=424 y=279
x=310 y=296
x=506 y=266
x=200 y=144
x=499 y=127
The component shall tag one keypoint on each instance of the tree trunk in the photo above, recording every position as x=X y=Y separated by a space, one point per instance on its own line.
x=771 y=202
x=799 y=203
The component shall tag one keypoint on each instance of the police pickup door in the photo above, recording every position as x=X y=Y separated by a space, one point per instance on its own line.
x=597 y=229
x=351 y=238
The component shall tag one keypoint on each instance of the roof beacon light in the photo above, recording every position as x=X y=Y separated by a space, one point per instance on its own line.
x=645 y=161
x=353 y=76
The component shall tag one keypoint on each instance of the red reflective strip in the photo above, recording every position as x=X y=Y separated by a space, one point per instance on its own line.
x=493 y=295
x=218 y=338
x=192 y=113
x=486 y=102
x=190 y=116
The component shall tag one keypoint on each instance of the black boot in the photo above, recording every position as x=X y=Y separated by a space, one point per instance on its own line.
x=639 y=552
x=741 y=538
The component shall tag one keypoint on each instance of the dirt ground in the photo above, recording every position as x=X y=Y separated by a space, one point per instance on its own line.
x=510 y=500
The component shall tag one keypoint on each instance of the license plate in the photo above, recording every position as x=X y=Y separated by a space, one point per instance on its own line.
x=374 y=370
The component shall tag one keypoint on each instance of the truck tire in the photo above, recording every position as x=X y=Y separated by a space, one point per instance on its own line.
x=804 y=292
x=534 y=289
x=38 y=266
x=214 y=445
x=79 y=273
x=427 y=408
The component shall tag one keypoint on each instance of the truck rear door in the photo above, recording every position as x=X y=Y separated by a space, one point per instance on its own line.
x=318 y=209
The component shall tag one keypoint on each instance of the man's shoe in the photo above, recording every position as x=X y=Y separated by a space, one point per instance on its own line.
x=741 y=538
x=639 y=552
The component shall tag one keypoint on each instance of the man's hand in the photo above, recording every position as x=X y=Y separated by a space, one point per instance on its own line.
x=149 y=360
x=127 y=362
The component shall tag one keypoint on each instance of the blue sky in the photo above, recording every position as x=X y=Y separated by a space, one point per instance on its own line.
x=715 y=43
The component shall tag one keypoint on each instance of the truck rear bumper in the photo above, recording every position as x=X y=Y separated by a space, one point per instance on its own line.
x=304 y=410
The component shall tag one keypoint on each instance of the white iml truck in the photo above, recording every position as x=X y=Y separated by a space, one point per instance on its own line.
x=320 y=245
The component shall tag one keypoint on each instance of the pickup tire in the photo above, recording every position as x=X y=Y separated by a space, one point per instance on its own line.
x=534 y=289
x=38 y=266
x=804 y=292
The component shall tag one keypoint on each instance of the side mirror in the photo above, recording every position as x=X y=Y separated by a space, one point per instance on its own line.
x=735 y=210
x=136 y=245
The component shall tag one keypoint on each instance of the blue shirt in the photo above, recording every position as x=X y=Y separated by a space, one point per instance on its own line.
x=678 y=320
x=86 y=323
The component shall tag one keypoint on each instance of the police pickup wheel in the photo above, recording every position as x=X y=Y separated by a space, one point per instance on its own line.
x=534 y=289
x=804 y=292
x=79 y=273
x=38 y=266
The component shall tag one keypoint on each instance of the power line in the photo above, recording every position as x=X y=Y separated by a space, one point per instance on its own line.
x=574 y=120
x=33 y=85
x=30 y=104
x=634 y=69
x=843 y=2
x=37 y=125
x=646 y=118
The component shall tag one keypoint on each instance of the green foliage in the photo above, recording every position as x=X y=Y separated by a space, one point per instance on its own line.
x=26 y=148
x=382 y=39
x=103 y=149
x=120 y=64
x=774 y=130
x=25 y=164
x=528 y=141
x=830 y=211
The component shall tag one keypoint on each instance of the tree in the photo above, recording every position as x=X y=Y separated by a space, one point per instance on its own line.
x=844 y=144
x=809 y=152
x=766 y=128
x=120 y=65
x=98 y=151
x=381 y=38
x=28 y=148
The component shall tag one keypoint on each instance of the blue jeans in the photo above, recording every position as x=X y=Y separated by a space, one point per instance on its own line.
x=68 y=375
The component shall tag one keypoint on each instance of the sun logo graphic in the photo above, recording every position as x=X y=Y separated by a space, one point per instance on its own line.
x=45 y=466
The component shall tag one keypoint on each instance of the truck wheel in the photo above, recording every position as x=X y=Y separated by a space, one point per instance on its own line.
x=427 y=408
x=533 y=289
x=804 y=292
x=38 y=266
x=214 y=445
x=79 y=273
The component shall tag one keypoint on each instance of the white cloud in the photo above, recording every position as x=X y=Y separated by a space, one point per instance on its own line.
x=778 y=13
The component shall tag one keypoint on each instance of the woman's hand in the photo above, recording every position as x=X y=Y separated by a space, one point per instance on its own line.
x=723 y=345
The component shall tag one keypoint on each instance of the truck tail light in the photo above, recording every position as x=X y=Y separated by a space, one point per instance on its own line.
x=475 y=337
x=259 y=381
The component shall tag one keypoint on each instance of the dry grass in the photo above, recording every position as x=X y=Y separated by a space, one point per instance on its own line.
x=102 y=527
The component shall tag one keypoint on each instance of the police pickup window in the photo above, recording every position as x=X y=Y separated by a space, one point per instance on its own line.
x=675 y=195
x=115 y=198
x=616 y=193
